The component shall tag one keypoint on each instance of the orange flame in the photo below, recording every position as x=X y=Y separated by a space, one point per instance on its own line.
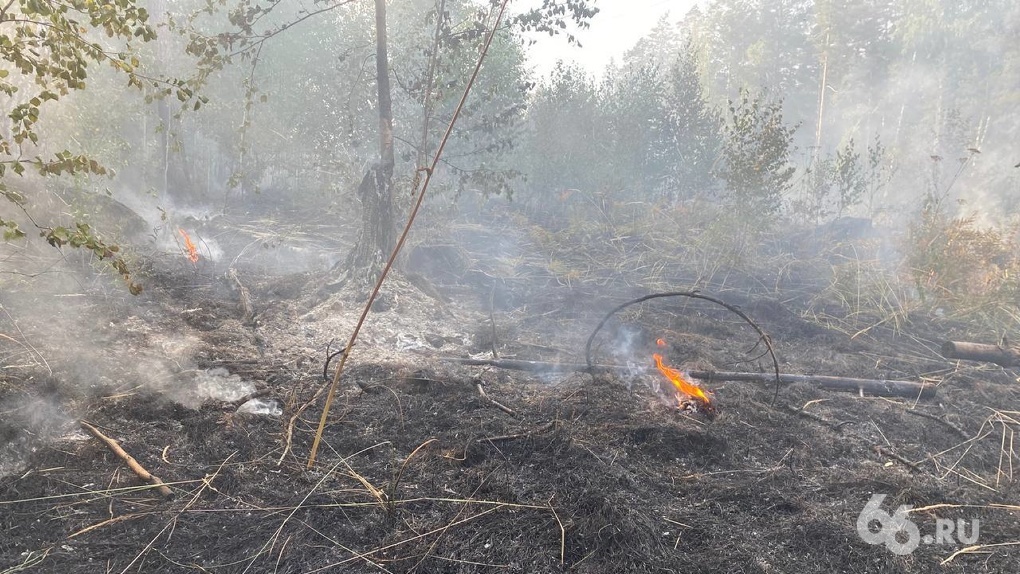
x=189 y=246
x=679 y=380
x=682 y=384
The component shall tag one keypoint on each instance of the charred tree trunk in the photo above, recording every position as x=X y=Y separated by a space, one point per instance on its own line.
x=382 y=70
x=173 y=171
x=378 y=231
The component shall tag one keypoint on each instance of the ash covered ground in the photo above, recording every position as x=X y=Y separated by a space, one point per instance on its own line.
x=548 y=471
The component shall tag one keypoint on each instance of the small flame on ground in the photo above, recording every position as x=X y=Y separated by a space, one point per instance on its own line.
x=680 y=381
x=189 y=247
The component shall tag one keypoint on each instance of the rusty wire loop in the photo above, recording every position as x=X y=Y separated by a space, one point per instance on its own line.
x=763 y=337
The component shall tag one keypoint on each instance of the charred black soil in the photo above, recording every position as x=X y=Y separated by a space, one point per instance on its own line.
x=418 y=471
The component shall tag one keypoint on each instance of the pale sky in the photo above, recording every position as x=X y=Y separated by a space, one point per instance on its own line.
x=614 y=30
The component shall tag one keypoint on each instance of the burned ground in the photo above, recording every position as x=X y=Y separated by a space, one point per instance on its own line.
x=418 y=471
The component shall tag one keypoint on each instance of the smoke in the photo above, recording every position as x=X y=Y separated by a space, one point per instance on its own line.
x=72 y=334
x=214 y=384
x=26 y=422
x=625 y=347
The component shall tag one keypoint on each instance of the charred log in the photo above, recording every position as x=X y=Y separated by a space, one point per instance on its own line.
x=875 y=387
x=998 y=354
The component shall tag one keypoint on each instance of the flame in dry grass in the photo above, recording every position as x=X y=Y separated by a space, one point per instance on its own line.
x=189 y=247
x=679 y=380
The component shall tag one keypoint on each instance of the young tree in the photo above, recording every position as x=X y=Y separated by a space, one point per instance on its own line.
x=425 y=69
x=691 y=131
x=756 y=157
x=49 y=50
x=565 y=134
x=849 y=177
x=636 y=119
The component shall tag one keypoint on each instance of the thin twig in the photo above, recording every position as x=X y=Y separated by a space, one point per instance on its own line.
x=954 y=428
x=25 y=344
x=889 y=453
x=975 y=549
x=244 y=295
x=563 y=532
x=206 y=483
x=495 y=403
x=268 y=546
x=400 y=473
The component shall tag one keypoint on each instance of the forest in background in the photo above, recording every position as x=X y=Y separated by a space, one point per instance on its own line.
x=745 y=118
x=184 y=184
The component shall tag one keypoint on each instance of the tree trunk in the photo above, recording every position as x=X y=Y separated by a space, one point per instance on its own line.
x=174 y=174
x=821 y=101
x=378 y=232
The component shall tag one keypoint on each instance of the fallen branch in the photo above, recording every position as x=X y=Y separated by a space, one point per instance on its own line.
x=495 y=403
x=937 y=419
x=876 y=387
x=138 y=469
x=530 y=366
x=889 y=453
x=1000 y=355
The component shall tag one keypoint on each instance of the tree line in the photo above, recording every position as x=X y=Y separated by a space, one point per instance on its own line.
x=803 y=109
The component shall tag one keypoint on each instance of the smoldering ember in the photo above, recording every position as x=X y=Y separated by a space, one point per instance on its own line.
x=370 y=286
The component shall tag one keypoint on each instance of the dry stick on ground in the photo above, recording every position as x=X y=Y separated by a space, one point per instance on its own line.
x=551 y=425
x=481 y=391
x=982 y=548
x=563 y=531
x=443 y=532
x=891 y=454
x=392 y=499
x=693 y=295
x=937 y=419
x=26 y=346
x=396 y=250
x=138 y=469
x=876 y=387
x=438 y=530
x=835 y=427
x=495 y=403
